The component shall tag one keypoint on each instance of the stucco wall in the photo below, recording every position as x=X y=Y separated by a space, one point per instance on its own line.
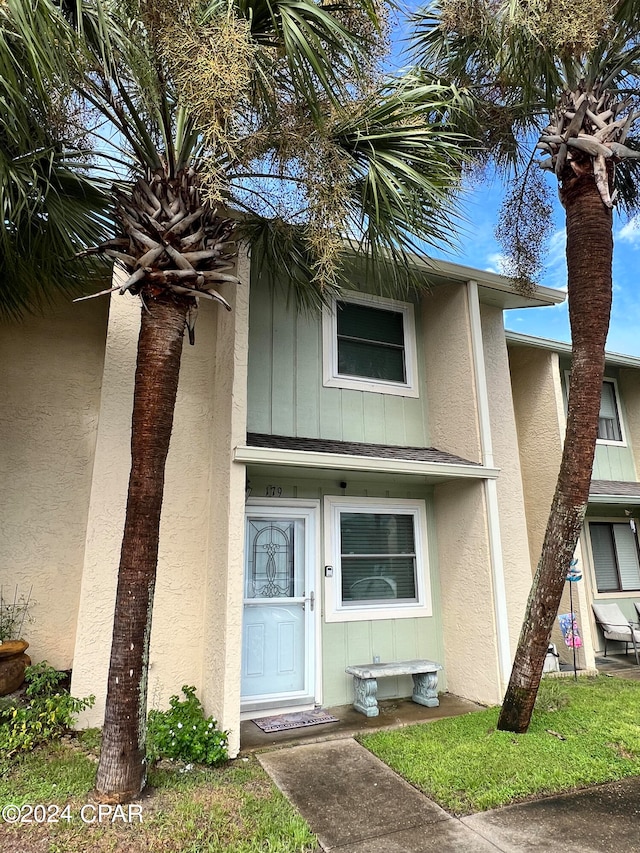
x=451 y=398
x=180 y=641
x=466 y=591
x=513 y=522
x=540 y=417
x=50 y=375
x=224 y=589
x=539 y=411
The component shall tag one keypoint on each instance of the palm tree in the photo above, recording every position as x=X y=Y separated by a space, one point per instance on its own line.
x=227 y=121
x=564 y=80
x=52 y=207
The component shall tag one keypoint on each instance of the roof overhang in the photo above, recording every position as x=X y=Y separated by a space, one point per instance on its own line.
x=614 y=493
x=432 y=472
x=562 y=348
x=493 y=289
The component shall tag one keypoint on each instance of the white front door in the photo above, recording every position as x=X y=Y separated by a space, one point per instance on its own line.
x=278 y=635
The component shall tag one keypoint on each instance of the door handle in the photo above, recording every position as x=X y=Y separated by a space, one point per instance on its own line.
x=311 y=599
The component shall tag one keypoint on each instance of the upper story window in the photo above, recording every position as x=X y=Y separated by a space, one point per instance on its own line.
x=614 y=546
x=610 y=426
x=369 y=345
x=609 y=423
x=377 y=550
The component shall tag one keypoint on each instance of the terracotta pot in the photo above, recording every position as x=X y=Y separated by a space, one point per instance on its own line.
x=13 y=663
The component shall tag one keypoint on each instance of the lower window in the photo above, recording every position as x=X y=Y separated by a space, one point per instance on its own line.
x=614 y=546
x=377 y=552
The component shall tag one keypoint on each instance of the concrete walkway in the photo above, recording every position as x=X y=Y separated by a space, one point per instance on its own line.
x=356 y=804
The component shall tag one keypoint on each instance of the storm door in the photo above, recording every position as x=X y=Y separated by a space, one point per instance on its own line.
x=279 y=607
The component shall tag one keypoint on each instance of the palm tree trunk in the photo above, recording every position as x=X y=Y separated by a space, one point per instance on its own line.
x=122 y=771
x=589 y=261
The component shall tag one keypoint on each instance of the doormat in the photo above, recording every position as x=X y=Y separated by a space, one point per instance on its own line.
x=298 y=720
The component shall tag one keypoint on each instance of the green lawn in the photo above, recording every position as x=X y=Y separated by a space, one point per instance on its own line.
x=583 y=732
x=233 y=809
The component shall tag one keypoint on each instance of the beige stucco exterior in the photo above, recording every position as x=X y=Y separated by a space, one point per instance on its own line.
x=197 y=613
x=480 y=545
x=504 y=441
x=50 y=390
x=222 y=646
x=468 y=623
x=451 y=394
x=537 y=396
x=540 y=415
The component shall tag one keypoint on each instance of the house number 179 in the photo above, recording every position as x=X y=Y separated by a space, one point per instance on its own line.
x=273 y=491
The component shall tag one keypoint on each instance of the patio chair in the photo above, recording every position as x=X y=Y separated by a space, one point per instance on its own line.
x=637 y=606
x=615 y=626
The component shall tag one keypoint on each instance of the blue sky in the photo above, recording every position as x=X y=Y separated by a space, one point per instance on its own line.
x=479 y=248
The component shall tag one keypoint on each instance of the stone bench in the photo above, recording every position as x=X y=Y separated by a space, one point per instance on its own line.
x=365 y=682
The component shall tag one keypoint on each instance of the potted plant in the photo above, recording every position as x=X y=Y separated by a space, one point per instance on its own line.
x=14 y=610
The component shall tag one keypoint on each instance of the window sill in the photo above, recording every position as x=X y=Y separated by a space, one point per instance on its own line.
x=627 y=593
x=355 y=383
x=374 y=614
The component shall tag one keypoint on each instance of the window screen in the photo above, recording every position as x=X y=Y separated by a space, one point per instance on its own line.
x=608 y=421
x=370 y=342
x=615 y=556
x=378 y=557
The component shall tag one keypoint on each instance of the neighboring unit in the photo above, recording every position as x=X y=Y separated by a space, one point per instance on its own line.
x=608 y=551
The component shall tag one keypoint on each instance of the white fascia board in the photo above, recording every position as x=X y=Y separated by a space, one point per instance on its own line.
x=563 y=348
x=349 y=462
x=494 y=281
x=616 y=500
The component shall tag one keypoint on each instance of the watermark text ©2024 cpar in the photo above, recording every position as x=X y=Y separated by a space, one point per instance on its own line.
x=88 y=813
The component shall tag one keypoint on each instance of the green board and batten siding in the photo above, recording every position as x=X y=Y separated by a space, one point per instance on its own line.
x=346 y=643
x=612 y=461
x=285 y=391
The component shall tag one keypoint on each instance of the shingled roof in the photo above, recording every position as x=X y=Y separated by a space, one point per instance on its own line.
x=354 y=448
x=617 y=488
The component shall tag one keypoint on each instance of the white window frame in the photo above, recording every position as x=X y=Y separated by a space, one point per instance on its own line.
x=616 y=397
x=614 y=593
x=335 y=611
x=331 y=378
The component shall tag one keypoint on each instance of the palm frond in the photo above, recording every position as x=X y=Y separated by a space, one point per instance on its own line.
x=406 y=163
x=276 y=246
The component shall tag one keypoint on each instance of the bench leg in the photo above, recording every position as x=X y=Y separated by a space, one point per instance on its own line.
x=365 y=701
x=425 y=689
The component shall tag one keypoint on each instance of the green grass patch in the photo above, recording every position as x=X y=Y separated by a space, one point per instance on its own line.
x=583 y=732
x=231 y=809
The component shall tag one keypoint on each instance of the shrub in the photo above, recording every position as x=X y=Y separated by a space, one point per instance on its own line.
x=183 y=732
x=48 y=713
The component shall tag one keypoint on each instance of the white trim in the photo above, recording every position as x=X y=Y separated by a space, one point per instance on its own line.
x=312 y=693
x=605 y=441
x=351 y=462
x=618 y=402
x=331 y=378
x=491 y=491
x=335 y=611
x=615 y=500
x=611 y=358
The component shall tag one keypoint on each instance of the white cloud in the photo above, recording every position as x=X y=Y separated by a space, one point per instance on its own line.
x=496 y=262
x=630 y=231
